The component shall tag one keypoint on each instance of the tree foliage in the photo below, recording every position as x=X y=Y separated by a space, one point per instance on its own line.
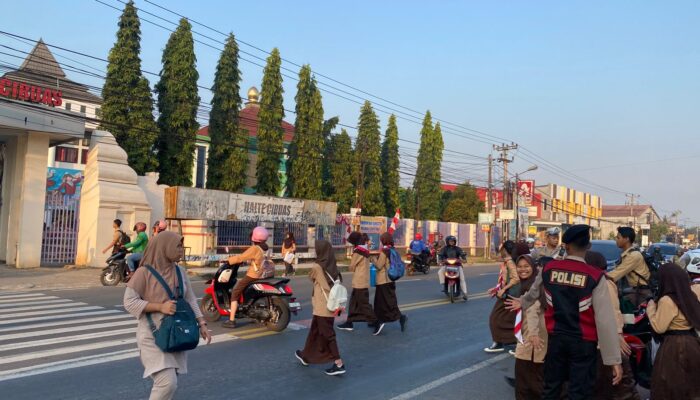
x=658 y=231
x=307 y=149
x=342 y=171
x=428 y=174
x=465 y=205
x=329 y=126
x=390 y=167
x=407 y=199
x=270 y=141
x=367 y=155
x=127 y=108
x=228 y=153
x=177 y=105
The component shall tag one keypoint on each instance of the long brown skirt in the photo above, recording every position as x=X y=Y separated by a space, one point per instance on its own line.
x=501 y=323
x=359 y=309
x=605 y=390
x=321 y=346
x=386 y=306
x=529 y=379
x=676 y=372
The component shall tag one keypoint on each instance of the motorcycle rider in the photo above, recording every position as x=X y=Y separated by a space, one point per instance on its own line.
x=419 y=249
x=137 y=247
x=530 y=243
x=694 y=273
x=451 y=250
x=439 y=244
x=632 y=267
x=552 y=248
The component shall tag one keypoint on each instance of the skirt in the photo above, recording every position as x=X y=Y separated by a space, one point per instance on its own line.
x=529 y=379
x=321 y=346
x=386 y=306
x=605 y=390
x=501 y=323
x=359 y=309
x=676 y=367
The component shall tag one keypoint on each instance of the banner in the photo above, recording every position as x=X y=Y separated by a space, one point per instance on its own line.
x=64 y=182
x=373 y=227
x=525 y=191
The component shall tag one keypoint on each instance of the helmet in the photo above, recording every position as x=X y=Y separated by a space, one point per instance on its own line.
x=160 y=225
x=260 y=234
x=553 y=232
x=419 y=236
x=451 y=238
x=693 y=266
x=140 y=227
x=530 y=240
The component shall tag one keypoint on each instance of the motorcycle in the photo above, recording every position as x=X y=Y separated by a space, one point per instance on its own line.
x=267 y=301
x=417 y=264
x=640 y=337
x=116 y=269
x=453 y=269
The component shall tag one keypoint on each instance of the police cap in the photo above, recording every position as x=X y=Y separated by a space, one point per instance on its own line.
x=577 y=232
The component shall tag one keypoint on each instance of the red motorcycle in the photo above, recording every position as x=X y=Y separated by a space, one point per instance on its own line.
x=640 y=337
x=453 y=269
x=267 y=301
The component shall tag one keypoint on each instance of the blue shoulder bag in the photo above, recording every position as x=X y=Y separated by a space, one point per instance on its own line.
x=180 y=331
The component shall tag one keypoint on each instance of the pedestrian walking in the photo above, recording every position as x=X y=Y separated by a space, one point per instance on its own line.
x=321 y=345
x=386 y=305
x=676 y=316
x=530 y=353
x=289 y=246
x=145 y=295
x=359 y=308
x=501 y=321
x=578 y=316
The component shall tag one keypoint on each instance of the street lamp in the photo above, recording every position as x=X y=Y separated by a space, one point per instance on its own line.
x=517 y=195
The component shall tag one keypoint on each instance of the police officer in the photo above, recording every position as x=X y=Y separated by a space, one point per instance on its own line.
x=551 y=248
x=579 y=317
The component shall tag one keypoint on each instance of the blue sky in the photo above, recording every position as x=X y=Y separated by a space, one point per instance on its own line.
x=584 y=85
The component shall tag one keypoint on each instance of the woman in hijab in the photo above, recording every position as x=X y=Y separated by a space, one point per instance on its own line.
x=359 y=308
x=321 y=346
x=289 y=245
x=386 y=306
x=144 y=294
x=501 y=321
x=676 y=316
x=529 y=354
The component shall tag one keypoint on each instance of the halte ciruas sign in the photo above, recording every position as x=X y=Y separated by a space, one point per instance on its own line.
x=26 y=92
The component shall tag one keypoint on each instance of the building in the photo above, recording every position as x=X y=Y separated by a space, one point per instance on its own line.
x=561 y=206
x=639 y=216
x=248 y=121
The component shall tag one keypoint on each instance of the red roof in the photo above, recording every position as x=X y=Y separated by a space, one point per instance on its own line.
x=624 y=211
x=447 y=187
x=249 y=121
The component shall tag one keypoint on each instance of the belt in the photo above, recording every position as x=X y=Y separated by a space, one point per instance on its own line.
x=688 y=332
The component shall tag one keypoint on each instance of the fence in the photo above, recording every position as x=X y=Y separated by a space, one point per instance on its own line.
x=60 y=236
x=298 y=230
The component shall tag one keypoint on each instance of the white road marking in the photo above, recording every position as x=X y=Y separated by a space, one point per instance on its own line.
x=44 y=307
x=66 y=339
x=27 y=299
x=47 y=332
x=66 y=350
x=68 y=322
x=53 y=317
x=449 y=378
x=19 y=296
x=31 y=313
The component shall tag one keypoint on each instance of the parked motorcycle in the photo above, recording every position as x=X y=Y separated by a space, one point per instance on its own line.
x=417 y=264
x=453 y=269
x=116 y=269
x=267 y=301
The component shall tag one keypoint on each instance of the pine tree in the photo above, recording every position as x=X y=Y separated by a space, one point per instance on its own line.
x=270 y=146
x=307 y=148
x=127 y=108
x=228 y=154
x=177 y=104
x=407 y=198
x=428 y=175
x=367 y=153
x=342 y=171
x=328 y=127
x=390 y=167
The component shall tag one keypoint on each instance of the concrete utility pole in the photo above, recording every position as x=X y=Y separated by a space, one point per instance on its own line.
x=507 y=197
x=489 y=208
x=632 y=196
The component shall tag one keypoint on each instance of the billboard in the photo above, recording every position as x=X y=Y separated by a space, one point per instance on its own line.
x=64 y=182
x=373 y=227
x=526 y=189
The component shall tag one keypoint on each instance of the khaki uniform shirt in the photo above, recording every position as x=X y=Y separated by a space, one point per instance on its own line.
x=382 y=266
x=666 y=316
x=545 y=251
x=320 y=291
x=359 y=266
x=632 y=265
x=256 y=256
x=533 y=325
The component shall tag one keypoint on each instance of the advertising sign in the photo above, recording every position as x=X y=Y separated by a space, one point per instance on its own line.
x=373 y=227
x=486 y=218
x=63 y=181
x=523 y=221
x=506 y=215
x=525 y=190
x=532 y=230
x=486 y=228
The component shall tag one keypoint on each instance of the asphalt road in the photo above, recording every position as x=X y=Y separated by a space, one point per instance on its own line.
x=80 y=345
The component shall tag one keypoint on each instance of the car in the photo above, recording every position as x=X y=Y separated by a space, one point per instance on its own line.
x=668 y=250
x=609 y=250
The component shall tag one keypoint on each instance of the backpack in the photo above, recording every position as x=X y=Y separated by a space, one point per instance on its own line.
x=396 y=265
x=268 y=266
x=180 y=331
x=337 y=298
x=653 y=267
x=123 y=238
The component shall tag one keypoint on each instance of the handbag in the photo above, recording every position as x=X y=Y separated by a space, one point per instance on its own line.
x=180 y=331
x=289 y=258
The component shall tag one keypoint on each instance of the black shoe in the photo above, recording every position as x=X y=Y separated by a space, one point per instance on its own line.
x=378 y=328
x=510 y=381
x=229 y=324
x=346 y=326
x=372 y=325
x=301 y=358
x=465 y=298
x=495 y=348
x=403 y=321
x=335 y=370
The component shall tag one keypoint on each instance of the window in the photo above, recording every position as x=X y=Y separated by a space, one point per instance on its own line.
x=66 y=154
x=98 y=112
x=68 y=106
x=201 y=164
x=82 y=109
x=84 y=156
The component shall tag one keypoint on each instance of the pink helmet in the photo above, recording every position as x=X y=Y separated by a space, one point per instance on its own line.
x=260 y=234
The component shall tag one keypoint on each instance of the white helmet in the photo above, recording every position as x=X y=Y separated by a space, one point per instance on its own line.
x=530 y=240
x=553 y=231
x=693 y=266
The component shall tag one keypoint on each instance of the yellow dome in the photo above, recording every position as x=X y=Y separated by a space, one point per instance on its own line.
x=253 y=95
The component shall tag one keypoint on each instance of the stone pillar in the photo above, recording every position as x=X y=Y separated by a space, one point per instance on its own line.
x=27 y=196
x=110 y=190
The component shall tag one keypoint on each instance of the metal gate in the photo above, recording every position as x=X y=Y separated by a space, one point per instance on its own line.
x=59 y=242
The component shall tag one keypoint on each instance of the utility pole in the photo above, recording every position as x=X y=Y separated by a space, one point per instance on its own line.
x=503 y=158
x=489 y=208
x=632 y=196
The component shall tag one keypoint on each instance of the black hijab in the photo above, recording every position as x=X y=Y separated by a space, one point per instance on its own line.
x=674 y=283
x=388 y=242
x=325 y=257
